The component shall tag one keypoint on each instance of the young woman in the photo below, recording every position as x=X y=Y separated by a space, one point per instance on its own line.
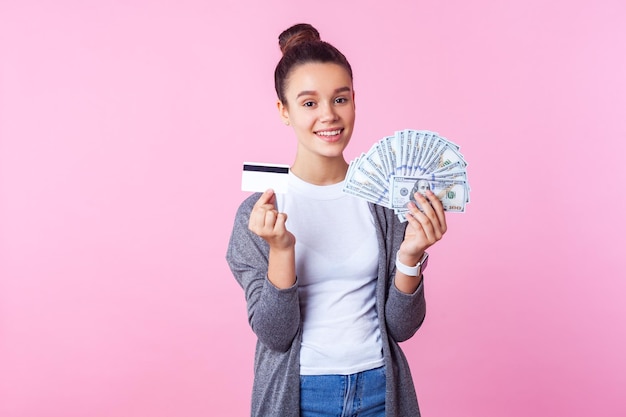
x=332 y=282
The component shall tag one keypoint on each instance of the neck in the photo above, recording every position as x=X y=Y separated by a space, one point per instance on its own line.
x=325 y=171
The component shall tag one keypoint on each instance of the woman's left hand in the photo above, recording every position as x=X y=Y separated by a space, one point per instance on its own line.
x=424 y=228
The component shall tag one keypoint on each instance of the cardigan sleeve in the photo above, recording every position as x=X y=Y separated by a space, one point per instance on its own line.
x=404 y=313
x=273 y=313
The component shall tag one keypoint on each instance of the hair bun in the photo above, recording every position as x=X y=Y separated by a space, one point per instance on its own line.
x=297 y=34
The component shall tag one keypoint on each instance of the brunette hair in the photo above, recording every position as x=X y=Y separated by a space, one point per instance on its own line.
x=301 y=44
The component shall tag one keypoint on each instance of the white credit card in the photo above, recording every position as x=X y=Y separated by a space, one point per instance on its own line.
x=259 y=177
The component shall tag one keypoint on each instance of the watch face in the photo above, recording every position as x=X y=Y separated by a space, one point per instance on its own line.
x=424 y=262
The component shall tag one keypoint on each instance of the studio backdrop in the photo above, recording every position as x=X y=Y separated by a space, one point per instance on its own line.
x=123 y=128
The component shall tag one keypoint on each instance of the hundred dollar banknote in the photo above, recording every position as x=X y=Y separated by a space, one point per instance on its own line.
x=410 y=160
x=452 y=193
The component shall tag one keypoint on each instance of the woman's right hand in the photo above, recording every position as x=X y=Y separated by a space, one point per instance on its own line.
x=269 y=224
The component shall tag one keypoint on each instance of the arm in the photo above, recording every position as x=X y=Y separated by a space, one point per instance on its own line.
x=405 y=308
x=404 y=313
x=424 y=230
x=273 y=306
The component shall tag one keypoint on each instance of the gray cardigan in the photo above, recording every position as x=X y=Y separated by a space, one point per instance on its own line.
x=274 y=316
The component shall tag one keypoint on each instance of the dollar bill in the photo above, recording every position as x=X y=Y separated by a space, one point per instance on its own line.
x=373 y=156
x=409 y=161
x=452 y=193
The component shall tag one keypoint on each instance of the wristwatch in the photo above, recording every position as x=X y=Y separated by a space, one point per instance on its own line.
x=412 y=271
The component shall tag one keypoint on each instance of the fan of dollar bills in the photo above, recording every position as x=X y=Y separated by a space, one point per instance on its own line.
x=410 y=161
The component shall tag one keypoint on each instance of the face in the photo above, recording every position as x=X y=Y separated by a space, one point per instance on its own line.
x=421 y=186
x=320 y=108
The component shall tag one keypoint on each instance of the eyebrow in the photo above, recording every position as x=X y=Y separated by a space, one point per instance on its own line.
x=312 y=92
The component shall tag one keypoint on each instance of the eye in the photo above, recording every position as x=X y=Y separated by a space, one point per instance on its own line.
x=340 y=100
x=308 y=103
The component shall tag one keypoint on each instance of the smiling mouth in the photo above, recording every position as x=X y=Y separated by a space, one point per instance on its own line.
x=329 y=133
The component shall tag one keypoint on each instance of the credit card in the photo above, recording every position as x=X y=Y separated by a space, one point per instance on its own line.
x=259 y=177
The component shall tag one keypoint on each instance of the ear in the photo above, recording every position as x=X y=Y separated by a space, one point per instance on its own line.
x=283 y=112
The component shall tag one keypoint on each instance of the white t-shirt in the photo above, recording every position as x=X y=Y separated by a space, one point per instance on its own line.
x=336 y=267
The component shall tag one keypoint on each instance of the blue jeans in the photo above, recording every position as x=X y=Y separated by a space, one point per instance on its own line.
x=361 y=394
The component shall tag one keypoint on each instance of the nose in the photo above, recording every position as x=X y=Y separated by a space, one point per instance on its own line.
x=327 y=113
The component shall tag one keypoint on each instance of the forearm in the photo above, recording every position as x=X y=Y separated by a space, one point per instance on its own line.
x=275 y=315
x=281 y=269
x=406 y=283
x=273 y=312
x=405 y=313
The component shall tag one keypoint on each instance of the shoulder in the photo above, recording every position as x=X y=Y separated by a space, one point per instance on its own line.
x=241 y=238
x=246 y=205
x=242 y=216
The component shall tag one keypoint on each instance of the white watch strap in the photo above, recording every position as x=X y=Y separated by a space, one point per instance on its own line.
x=411 y=271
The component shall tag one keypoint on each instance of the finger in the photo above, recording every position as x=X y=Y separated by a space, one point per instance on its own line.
x=279 y=225
x=424 y=204
x=270 y=220
x=413 y=222
x=266 y=198
x=430 y=231
x=432 y=208
x=437 y=205
x=257 y=220
x=433 y=199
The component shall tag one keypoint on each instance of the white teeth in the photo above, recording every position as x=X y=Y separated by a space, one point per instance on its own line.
x=329 y=133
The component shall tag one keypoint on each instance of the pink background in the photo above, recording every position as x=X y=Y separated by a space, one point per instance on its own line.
x=123 y=125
